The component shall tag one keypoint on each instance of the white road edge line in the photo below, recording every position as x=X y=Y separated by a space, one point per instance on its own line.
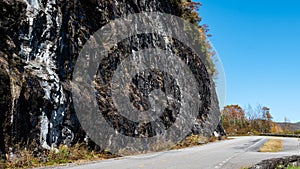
x=247 y=149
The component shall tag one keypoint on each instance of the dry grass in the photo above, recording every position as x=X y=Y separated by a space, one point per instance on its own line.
x=272 y=145
x=195 y=140
x=76 y=154
x=80 y=153
x=190 y=141
x=244 y=167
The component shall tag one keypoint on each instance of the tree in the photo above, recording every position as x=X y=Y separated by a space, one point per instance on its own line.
x=233 y=117
x=189 y=12
x=276 y=129
x=286 y=124
x=254 y=117
x=267 y=120
x=241 y=121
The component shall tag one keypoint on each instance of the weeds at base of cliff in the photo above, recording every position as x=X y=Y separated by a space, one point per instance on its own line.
x=244 y=168
x=189 y=141
x=2 y=164
x=196 y=140
x=293 y=167
x=80 y=153
x=77 y=154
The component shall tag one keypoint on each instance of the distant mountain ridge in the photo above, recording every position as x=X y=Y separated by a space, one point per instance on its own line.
x=289 y=126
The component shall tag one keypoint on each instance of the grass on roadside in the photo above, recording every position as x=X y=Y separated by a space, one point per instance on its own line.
x=80 y=153
x=76 y=154
x=195 y=140
x=244 y=168
x=272 y=145
x=293 y=167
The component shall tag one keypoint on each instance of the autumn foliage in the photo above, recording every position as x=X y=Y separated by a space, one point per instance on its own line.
x=239 y=121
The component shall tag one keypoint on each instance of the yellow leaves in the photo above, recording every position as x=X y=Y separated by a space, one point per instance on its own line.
x=189 y=11
x=276 y=129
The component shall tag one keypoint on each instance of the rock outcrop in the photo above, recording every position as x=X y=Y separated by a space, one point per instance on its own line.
x=280 y=163
x=40 y=41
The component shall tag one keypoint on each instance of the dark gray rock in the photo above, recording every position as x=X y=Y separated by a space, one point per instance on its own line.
x=40 y=41
x=278 y=163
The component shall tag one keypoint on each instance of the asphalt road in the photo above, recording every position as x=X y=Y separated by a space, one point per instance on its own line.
x=229 y=154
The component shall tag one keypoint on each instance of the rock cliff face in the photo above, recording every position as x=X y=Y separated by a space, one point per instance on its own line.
x=40 y=41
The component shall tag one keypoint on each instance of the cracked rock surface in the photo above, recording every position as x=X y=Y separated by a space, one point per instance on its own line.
x=40 y=41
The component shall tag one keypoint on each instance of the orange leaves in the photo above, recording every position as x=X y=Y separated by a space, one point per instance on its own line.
x=234 y=112
x=191 y=5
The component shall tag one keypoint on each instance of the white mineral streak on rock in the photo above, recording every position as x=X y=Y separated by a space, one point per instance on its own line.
x=15 y=93
x=34 y=3
x=44 y=65
x=31 y=12
x=44 y=131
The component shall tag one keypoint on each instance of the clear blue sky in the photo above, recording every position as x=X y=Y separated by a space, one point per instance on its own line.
x=258 y=42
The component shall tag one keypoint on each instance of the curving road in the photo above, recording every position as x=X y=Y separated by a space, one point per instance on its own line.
x=229 y=154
